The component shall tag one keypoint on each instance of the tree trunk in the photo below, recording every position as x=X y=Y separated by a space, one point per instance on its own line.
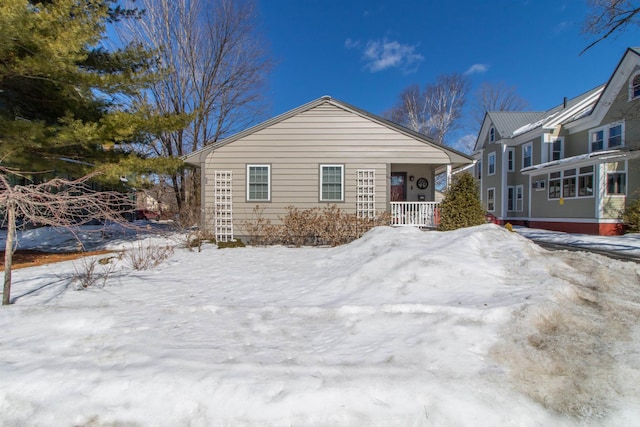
x=8 y=254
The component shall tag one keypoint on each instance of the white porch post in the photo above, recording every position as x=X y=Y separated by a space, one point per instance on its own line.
x=448 y=176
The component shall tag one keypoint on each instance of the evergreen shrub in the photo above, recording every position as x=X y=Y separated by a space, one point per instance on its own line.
x=631 y=216
x=461 y=206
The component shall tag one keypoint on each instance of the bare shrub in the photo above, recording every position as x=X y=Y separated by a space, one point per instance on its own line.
x=146 y=257
x=329 y=226
x=90 y=272
x=260 y=230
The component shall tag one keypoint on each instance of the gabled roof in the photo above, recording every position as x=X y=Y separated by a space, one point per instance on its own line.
x=511 y=124
x=628 y=64
x=456 y=157
x=507 y=122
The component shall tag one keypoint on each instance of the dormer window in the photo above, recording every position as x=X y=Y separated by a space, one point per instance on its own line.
x=492 y=134
x=634 y=87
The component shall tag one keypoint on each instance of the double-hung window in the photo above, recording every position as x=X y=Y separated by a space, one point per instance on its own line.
x=607 y=137
x=616 y=179
x=585 y=181
x=479 y=169
x=491 y=160
x=527 y=155
x=492 y=134
x=511 y=198
x=615 y=136
x=491 y=199
x=634 y=87
x=258 y=183
x=331 y=183
x=556 y=149
x=519 y=198
x=569 y=183
x=554 y=185
x=511 y=159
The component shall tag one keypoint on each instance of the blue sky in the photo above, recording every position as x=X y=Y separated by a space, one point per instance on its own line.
x=365 y=52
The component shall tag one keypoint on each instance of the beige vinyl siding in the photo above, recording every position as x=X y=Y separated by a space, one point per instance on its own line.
x=296 y=147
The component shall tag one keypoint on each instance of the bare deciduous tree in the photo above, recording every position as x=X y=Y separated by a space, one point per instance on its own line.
x=434 y=111
x=606 y=17
x=58 y=202
x=496 y=97
x=214 y=65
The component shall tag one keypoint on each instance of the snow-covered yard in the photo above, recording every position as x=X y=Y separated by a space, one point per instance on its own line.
x=473 y=327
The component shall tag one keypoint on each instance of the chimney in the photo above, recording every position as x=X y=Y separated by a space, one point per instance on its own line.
x=564 y=102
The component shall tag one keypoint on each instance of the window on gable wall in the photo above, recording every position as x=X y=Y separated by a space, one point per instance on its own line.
x=331 y=183
x=634 y=87
x=492 y=134
x=259 y=183
x=607 y=137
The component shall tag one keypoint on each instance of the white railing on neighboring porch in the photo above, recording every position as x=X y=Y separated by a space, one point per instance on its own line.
x=415 y=214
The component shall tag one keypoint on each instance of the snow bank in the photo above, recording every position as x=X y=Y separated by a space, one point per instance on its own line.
x=401 y=327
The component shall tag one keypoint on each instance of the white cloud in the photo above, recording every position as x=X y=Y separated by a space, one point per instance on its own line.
x=383 y=54
x=351 y=44
x=477 y=68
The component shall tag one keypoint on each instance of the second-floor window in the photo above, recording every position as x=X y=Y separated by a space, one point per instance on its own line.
x=634 y=87
x=607 y=137
x=527 y=155
x=511 y=159
x=491 y=159
x=557 y=149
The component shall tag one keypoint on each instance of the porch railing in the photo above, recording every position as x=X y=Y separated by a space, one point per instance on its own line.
x=415 y=214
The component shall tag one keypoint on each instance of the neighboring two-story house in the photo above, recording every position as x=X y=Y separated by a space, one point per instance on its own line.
x=571 y=168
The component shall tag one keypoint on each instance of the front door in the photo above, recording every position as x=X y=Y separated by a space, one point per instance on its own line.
x=398 y=186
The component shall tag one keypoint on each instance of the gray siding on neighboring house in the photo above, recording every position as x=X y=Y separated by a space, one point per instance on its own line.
x=296 y=147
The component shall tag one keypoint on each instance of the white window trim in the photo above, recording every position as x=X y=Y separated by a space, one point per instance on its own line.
x=561 y=139
x=268 y=199
x=513 y=198
x=606 y=181
x=491 y=189
x=633 y=77
x=341 y=183
x=593 y=181
x=524 y=148
x=519 y=201
x=489 y=156
x=605 y=136
x=511 y=151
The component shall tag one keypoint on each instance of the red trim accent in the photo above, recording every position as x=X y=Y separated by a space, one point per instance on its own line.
x=580 y=227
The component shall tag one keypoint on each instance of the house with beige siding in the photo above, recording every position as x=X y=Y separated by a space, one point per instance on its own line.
x=571 y=168
x=322 y=153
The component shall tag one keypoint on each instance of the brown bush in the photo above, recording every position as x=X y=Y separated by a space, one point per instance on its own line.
x=328 y=226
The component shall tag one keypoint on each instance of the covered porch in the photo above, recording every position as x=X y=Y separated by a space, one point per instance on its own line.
x=415 y=191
